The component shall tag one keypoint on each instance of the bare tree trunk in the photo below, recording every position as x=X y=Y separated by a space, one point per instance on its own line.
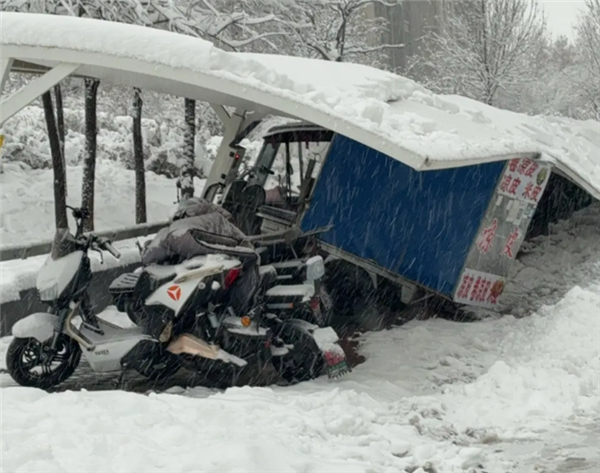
x=488 y=96
x=60 y=185
x=186 y=173
x=89 y=160
x=138 y=158
x=60 y=125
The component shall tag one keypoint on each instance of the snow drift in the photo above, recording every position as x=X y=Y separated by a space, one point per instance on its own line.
x=432 y=396
x=503 y=395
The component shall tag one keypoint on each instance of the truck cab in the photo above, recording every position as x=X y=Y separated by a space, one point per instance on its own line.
x=272 y=194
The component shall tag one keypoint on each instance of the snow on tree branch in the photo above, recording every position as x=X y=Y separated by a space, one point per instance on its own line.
x=483 y=47
x=336 y=30
x=588 y=46
x=229 y=25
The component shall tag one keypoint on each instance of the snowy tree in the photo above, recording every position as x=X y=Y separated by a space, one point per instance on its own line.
x=228 y=25
x=60 y=127
x=89 y=159
x=484 y=47
x=588 y=47
x=569 y=81
x=138 y=158
x=60 y=195
x=334 y=30
x=550 y=92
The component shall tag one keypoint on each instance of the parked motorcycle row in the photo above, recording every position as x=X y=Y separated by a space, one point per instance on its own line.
x=205 y=299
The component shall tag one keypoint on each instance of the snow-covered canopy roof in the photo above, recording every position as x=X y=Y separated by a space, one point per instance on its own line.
x=382 y=110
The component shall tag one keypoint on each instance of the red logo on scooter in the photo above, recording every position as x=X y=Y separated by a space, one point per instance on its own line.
x=174 y=292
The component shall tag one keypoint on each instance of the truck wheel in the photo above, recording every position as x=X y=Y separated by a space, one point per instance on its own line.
x=24 y=362
x=349 y=287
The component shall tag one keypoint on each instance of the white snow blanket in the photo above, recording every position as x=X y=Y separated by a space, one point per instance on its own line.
x=500 y=396
x=504 y=395
x=382 y=110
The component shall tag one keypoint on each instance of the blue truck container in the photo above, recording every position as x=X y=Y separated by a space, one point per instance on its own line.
x=454 y=232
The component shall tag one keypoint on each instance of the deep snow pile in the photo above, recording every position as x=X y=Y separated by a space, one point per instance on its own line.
x=549 y=266
x=503 y=395
x=27 y=206
x=434 y=395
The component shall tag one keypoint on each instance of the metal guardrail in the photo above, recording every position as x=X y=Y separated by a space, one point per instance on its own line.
x=14 y=252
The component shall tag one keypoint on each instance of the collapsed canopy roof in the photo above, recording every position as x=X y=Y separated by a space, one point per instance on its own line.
x=381 y=110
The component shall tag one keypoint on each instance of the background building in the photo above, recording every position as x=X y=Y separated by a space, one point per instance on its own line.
x=409 y=22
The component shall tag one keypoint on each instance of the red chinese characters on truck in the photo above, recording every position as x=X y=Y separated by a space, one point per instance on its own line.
x=487 y=237
x=524 y=179
x=510 y=243
x=479 y=289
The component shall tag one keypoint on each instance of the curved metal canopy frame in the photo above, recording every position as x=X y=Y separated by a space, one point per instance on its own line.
x=59 y=59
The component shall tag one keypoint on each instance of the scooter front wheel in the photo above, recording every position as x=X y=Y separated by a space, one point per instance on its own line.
x=24 y=362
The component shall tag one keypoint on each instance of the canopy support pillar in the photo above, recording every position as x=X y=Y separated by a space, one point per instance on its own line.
x=5 y=66
x=233 y=124
x=20 y=99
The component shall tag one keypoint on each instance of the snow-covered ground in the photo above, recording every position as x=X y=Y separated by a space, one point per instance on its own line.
x=27 y=196
x=504 y=395
x=437 y=395
x=551 y=265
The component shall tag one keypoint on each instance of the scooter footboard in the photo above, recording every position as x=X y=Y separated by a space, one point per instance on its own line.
x=39 y=325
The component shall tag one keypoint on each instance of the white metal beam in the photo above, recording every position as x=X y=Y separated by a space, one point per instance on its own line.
x=224 y=160
x=221 y=112
x=5 y=65
x=34 y=89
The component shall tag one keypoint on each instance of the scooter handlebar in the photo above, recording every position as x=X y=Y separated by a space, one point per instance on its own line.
x=106 y=245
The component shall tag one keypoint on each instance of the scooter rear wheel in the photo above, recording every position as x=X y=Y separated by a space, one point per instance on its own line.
x=304 y=361
x=25 y=366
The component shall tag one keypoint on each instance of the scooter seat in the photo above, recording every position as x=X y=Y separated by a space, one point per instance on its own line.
x=160 y=274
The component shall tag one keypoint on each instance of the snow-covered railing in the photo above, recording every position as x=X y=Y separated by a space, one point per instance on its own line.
x=13 y=252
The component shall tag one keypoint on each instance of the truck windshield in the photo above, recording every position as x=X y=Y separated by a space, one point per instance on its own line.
x=290 y=159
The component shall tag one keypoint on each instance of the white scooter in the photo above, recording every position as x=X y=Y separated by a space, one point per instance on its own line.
x=185 y=318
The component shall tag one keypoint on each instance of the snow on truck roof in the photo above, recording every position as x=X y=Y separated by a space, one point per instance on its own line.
x=384 y=111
